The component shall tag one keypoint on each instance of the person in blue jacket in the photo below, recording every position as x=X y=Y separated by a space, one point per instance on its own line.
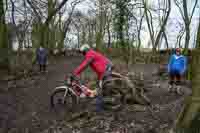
x=41 y=58
x=176 y=68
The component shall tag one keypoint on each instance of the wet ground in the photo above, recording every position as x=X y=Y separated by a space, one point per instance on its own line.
x=25 y=107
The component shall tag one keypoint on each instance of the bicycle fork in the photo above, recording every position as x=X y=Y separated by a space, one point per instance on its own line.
x=63 y=98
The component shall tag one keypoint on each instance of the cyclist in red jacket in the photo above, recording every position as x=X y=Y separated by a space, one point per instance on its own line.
x=101 y=65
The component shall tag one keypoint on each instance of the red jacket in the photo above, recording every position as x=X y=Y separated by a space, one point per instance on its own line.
x=98 y=63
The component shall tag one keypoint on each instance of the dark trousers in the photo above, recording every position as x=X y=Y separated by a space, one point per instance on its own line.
x=175 y=78
x=42 y=67
x=99 y=98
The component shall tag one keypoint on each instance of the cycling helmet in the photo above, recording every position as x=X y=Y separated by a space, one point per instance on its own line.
x=84 y=48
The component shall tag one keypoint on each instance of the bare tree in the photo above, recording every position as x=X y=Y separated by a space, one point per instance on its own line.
x=68 y=22
x=149 y=23
x=76 y=21
x=156 y=38
x=35 y=10
x=163 y=22
x=4 y=47
x=108 y=28
x=183 y=9
x=101 y=23
x=21 y=26
x=198 y=36
x=45 y=25
x=180 y=36
x=139 y=31
x=137 y=15
x=189 y=116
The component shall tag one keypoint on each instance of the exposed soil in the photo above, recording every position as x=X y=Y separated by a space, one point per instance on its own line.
x=25 y=107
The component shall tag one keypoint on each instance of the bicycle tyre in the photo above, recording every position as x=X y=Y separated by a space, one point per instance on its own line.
x=69 y=95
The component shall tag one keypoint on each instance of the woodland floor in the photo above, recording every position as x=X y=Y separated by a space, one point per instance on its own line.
x=25 y=106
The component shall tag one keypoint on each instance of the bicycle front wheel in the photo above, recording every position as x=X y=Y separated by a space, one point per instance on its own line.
x=62 y=99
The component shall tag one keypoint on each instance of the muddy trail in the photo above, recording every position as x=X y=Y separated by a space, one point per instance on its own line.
x=25 y=107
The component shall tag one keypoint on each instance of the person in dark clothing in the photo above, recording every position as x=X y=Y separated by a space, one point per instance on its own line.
x=41 y=58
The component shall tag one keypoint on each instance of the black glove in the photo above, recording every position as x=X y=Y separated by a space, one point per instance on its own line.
x=74 y=77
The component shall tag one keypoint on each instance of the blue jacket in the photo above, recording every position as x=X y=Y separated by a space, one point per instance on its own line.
x=177 y=63
x=41 y=56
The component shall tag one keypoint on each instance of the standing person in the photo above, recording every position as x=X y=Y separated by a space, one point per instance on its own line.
x=176 y=68
x=41 y=57
x=101 y=65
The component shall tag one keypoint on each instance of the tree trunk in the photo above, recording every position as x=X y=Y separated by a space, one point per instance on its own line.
x=139 y=33
x=150 y=26
x=189 y=120
x=190 y=115
x=187 y=25
x=102 y=24
x=90 y=35
x=66 y=26
x=198 y=38
x=193 y=106
x=83 y=35
x=166 y=40
x=187 y=38
x=78 y=37
x=187 y=19
x=109 y=35
x=45 y=27
x=179 y=38
x=4 y=49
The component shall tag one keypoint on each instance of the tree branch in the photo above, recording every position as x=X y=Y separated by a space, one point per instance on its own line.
x=194 y=7
x=67 y=23
x=162 y=29
x=6 y=5
x=50 y=16
x=151 y=22
x=13 y=12
x=180 y=10
x=34 y=9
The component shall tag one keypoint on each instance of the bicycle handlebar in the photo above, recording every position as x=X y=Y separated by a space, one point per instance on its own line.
x=73 y=77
